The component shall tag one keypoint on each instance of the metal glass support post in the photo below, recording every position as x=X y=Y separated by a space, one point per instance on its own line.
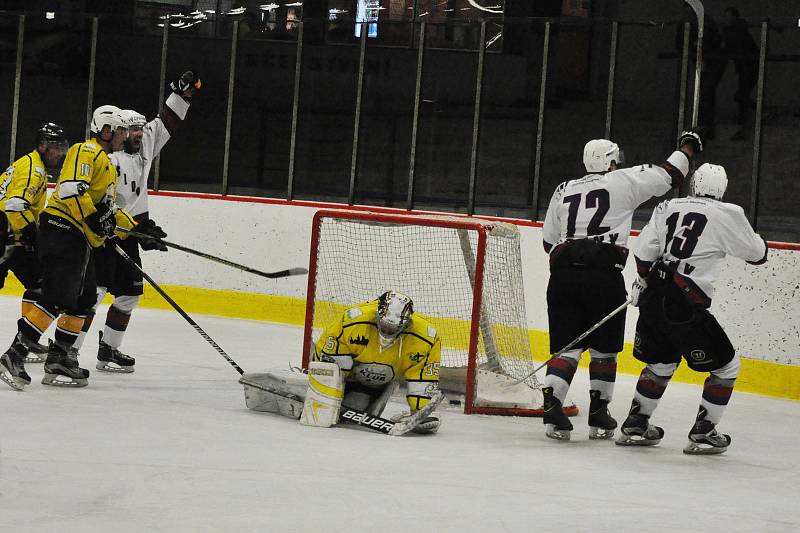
x=476 y=122
x=757 y=134
x=537 y=167
x=612 y=72
x=229 y=111
x=298 y=68
x=412 y=158
x=684 y=77
x=162 y=83
x=92 y=65
x=351 y=197
x=17 y=79
x=699 y=11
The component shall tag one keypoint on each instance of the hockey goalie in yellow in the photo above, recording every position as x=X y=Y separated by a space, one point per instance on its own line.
x=378 y=343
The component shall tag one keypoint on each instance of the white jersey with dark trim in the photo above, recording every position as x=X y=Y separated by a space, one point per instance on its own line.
x=134 y=169
x=693 y=235
x=601 y=206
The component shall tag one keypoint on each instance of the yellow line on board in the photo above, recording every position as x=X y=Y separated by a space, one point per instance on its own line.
x=757 y=376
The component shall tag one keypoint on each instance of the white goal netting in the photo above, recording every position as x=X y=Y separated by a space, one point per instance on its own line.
x=438 y=262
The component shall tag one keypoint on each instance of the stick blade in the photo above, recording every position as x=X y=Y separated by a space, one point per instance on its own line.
x=299 y=271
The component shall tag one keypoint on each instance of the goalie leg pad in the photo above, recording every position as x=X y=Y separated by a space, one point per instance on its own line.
x=276 y=391
x=324 y=395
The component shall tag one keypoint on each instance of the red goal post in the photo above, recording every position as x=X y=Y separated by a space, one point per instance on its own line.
x=463 y=274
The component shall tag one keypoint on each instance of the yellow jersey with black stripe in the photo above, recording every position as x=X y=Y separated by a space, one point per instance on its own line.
x=23 y=191
x=87 y=179
x=353 y=343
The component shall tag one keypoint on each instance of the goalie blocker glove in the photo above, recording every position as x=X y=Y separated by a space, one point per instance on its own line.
x=187 y=84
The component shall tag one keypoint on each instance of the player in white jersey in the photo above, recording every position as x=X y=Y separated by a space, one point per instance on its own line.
x=586 y=234
x=678 y=257
x=115 y=276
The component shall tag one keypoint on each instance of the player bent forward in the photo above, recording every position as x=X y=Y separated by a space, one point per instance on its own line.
x=678 y=256
x=358 y=362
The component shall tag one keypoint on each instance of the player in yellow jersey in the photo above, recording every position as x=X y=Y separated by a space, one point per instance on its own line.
x=23 y=192
x=379 y=343
x=80 y=215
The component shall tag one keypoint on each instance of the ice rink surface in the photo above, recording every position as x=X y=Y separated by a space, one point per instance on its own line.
x=173 y=448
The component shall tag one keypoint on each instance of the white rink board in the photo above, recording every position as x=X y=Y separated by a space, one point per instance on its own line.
x=758 y=306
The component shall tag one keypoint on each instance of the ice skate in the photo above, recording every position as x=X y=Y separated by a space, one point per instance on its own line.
x=61 y=368
x=37 y=354
x=557 y=424
x=12 y=366
x=704 y=439
x=110 y=359
x=638 y=431
x=601 y=423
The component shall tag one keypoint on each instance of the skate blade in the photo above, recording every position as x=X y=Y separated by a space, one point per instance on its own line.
x=596 y=433
x=113 y=367
x=556 y=434
x=635 y=440
x=12 y=381
x=696 y=448
x=57 y=380
x=33 y=358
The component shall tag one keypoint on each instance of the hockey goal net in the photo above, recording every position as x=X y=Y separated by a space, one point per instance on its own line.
x=463 y=274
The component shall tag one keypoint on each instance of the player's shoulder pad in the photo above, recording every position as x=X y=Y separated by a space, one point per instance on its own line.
x=420 y=327
x=360 y=313
x=353 y=313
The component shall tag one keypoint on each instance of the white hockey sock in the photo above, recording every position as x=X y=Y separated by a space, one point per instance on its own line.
x=560 y=372
x=718 y=389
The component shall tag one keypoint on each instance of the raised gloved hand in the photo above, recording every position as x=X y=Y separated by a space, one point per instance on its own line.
x=154 y=235
x=102 y=221
x=28 y=237
x=187 y=84
x=693 y=138
x=639 y=285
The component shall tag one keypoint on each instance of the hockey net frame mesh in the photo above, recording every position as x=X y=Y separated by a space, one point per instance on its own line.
x=464 y=275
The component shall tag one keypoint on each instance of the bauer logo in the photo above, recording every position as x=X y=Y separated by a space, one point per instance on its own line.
x=366 y=420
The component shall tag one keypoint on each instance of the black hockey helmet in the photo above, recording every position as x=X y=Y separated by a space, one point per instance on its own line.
x=52 y=135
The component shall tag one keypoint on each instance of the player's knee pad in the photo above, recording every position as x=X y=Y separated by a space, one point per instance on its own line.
x=661 y=371
x=729 y=371
x=604 y=357
x=125 y=304
x=279 y=391
x=324 y=395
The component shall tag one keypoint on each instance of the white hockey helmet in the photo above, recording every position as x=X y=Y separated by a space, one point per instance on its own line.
x=709 y=181
x=394 y=316
x=108 y=115
x=134 y=118
x=599 y=154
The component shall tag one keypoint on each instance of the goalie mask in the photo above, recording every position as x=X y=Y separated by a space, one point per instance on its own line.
x=394 y=316
x=709 y=181
x=600 y=154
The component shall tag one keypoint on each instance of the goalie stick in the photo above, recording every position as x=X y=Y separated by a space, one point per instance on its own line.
x=272 y=275
x=361 y=418
x=582 y=336
x=177 y=307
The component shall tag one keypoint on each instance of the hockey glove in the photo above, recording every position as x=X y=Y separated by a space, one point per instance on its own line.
x=102 y=221
x=187 y=84
x=152 y=230
x=426 y=426
x=639 y=285
x=28 y=237
x=693 y=139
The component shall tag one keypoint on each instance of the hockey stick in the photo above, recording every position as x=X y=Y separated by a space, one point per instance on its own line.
x=197 y=328
x=582 y=336
x=279 y=274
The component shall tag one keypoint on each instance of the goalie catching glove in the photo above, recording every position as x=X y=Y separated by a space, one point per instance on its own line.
x=427 y=426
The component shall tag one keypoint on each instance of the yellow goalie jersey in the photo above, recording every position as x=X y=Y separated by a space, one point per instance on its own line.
x=23 y=191
x=87 y=179
x=415 y=355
